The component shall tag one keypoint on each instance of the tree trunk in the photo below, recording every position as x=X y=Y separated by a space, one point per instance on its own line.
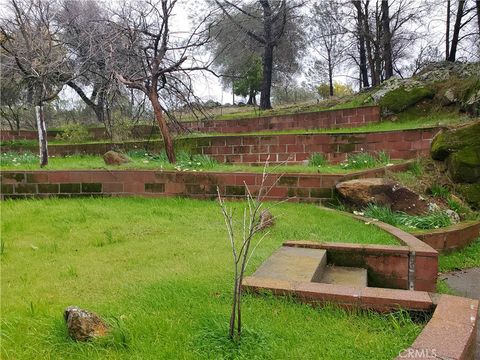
x=361 y=43
x=387 y=40
x=456 y=30
x=162 y=124
x=447 y=32
x=42 y=134
x=330 y=74
x=265 y=102
x=251 y=98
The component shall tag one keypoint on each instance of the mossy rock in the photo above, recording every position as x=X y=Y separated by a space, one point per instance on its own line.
x=464 y=165
x=400 y=99
x=449 y=141
x=471 y=194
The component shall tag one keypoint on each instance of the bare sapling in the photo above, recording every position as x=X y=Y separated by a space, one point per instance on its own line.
x=243 y=245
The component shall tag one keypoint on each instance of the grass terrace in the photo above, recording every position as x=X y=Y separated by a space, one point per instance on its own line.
x=140 y=159
x=159 y=271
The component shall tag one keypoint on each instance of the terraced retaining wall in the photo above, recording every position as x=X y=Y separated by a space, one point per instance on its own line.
x=295 y=148
x=451 y=238
x=299 y=187
x=342 y=118
x=290 y=148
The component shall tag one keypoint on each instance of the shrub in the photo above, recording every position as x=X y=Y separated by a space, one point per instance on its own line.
x=73 y=133
x=317 y=159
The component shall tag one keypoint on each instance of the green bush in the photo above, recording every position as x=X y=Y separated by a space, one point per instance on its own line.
x=73 y=133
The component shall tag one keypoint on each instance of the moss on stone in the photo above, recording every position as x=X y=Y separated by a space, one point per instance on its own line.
x=452 y=140
x=471 y=193
x=401 y=99
x=464 y=165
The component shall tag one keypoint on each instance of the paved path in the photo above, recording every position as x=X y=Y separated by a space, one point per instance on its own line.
x=466 y=283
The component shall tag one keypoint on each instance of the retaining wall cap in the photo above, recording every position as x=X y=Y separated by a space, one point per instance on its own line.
x=369 y=248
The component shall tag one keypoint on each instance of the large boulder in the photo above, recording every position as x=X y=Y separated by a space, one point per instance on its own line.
x=115 y=158
x=83 y=325
x=471 y=193
x=362 y=192
x=460 y=149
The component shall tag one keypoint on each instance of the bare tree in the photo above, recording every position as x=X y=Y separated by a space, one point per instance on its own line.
x=327 y=35
x=88 y=35
x=152 y=62
x=242 y=249
x=270 y=21
x=465 y=15
x=30 y=37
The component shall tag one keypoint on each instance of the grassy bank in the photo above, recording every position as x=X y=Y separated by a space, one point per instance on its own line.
x=159 y=271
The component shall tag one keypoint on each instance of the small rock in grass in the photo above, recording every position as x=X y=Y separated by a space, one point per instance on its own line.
x=83 y=325
x=115 y=158
x=266 y=220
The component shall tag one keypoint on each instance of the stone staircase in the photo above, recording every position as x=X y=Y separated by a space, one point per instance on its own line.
x=309 y=265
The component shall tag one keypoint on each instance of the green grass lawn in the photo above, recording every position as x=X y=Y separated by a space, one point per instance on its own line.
x=159 y=271
x=468 y=257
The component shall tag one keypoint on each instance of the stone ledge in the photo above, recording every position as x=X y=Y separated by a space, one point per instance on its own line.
x=451 y=332
x=378 y=299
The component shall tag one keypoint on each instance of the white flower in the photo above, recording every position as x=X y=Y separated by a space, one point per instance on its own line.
x=146 y=161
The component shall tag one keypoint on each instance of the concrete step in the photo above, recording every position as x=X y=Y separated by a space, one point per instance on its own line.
x=342 y=275
x=294 y=264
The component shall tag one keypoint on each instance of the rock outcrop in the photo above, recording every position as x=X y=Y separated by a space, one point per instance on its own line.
x=459 y=148
x=383 y=192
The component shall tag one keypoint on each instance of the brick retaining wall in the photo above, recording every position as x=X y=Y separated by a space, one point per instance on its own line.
x=451 y=238
x=342 y=118
x=292 y=148
x=299 y=187
x=295 y=148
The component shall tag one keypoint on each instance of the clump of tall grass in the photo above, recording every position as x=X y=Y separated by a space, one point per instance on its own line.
x=433 y=220
x=317 y=160
x=364 y=160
